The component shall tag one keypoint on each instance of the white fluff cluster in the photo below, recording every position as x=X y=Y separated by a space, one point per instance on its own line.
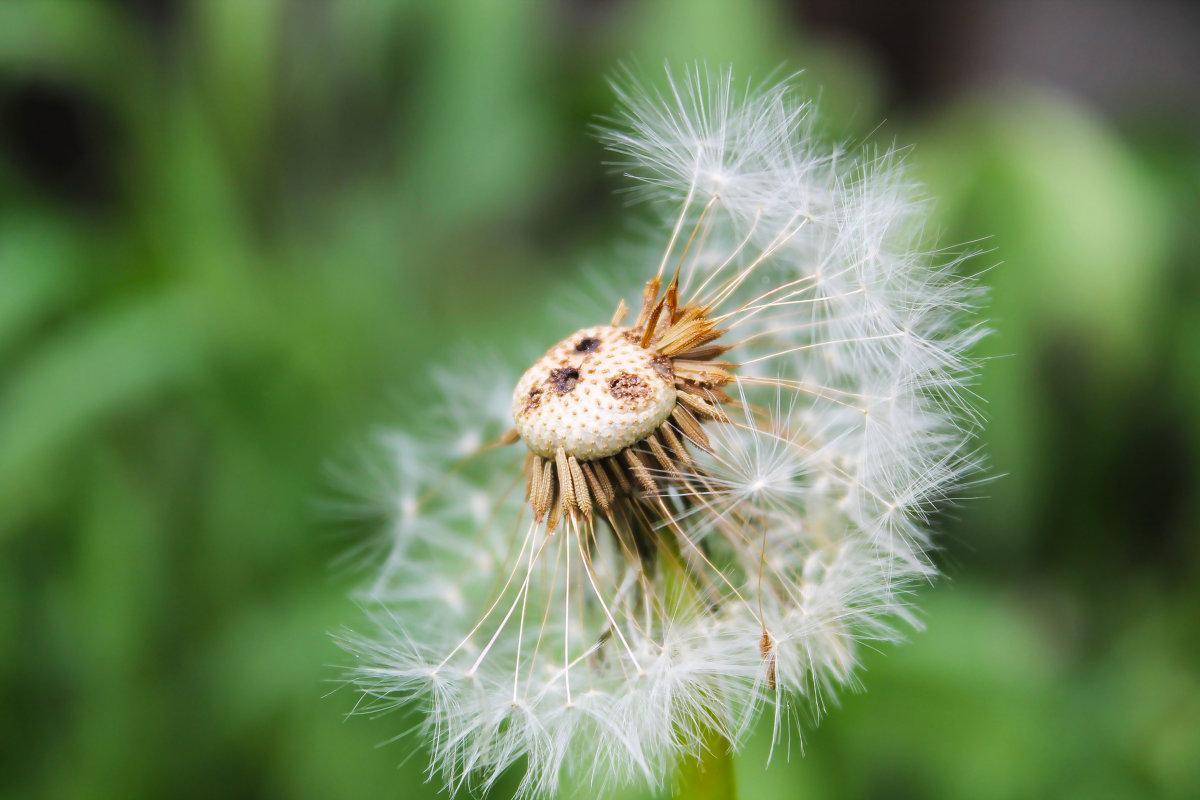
x=797 y=538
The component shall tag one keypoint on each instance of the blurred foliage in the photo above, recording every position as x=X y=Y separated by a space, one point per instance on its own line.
x=233 y=236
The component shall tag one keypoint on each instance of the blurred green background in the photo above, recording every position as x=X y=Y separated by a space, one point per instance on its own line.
x=234 y=234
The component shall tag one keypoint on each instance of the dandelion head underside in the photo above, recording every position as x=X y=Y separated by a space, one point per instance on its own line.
x=703 y=506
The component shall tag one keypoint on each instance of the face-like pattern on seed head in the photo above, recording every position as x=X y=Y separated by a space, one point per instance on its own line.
x=594 y=394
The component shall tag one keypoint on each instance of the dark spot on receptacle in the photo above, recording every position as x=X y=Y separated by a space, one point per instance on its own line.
x=663 y=366
x=564 y=379
x=588 y=345
x=533 y=399
x=628 y=386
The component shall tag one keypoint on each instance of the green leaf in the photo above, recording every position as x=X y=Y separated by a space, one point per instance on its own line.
x=111 y=363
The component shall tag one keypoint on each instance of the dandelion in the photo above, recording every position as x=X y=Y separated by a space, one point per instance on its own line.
x=699 y=508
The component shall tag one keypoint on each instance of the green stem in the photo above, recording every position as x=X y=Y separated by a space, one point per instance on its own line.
x=709 y=777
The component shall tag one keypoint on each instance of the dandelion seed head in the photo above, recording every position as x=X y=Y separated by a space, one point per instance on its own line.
x=704 y=507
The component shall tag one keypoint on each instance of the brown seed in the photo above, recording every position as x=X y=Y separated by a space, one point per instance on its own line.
x=601 y=487
x=638 y=468
x=566 y=486
x=583 y=498
x=766 y=651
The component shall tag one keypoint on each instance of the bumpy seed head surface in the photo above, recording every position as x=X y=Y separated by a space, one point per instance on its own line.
x=593 y=394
